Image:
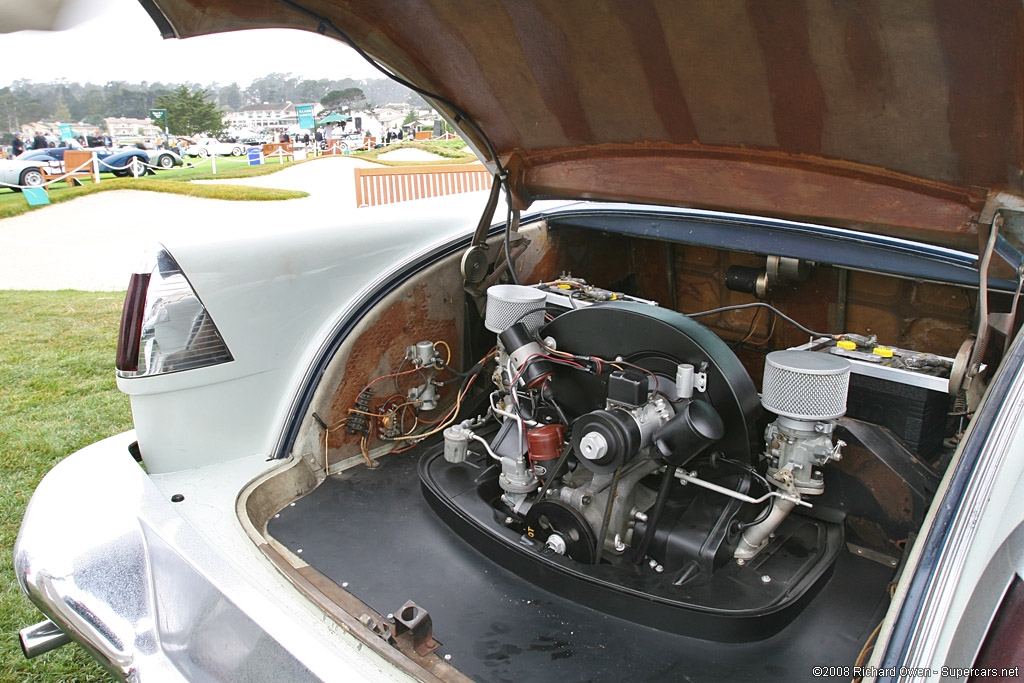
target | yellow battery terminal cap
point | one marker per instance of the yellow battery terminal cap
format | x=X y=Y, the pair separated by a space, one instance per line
x=846 y=344
x=883 y=352
x=564 y=286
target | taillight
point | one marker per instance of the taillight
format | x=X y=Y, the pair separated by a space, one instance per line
x=164 y=326
x=131 y=323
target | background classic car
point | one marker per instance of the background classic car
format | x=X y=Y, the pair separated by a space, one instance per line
x=116 y=161
x=19 y=172
x=204 y=147
x=860 y=171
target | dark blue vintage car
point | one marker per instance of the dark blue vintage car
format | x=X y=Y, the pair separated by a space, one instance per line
x=119 y=162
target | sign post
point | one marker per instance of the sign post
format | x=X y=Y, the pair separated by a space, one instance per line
x=305 y=112
x=159 y=117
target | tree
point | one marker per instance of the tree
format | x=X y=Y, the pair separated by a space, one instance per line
x=60 y=110
x=230 y=96
x=340 y=99
x=189 y=112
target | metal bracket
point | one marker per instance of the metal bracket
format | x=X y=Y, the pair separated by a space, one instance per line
x=381 y=628
x=700 y=381
x=411 y=618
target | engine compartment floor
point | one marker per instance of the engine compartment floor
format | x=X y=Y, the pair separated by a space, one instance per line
x=373 y=530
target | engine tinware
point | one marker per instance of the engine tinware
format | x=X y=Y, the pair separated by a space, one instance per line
x=604 y=439
x=695 y=427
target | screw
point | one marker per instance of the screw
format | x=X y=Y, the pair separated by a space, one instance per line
x=740 y=561
x=345 y=585
x=652 y=564
x=765 y=578
x=299 y=551
x=659 y=569
x=177 y=498
x=508 y=520
x=586 y=500
x=447 y=658
x=391 y=617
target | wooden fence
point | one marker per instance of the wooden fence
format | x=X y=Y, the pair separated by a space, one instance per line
x=386 y=185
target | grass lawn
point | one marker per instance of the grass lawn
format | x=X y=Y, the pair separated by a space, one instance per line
x=56 y=370
x=176 y=180
x=452 y=151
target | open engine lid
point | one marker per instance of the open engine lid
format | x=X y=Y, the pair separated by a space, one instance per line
x=900 y=118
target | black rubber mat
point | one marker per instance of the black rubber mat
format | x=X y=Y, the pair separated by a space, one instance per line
x=373 y=530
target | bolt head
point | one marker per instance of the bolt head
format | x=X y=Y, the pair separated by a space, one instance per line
x=765 y=578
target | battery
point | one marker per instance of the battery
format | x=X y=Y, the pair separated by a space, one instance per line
x=914 y=414
x=911 y=403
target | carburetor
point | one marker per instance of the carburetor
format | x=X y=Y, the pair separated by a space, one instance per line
x=808 y=392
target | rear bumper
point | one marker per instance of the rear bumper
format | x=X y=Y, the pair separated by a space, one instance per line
x=156 y=590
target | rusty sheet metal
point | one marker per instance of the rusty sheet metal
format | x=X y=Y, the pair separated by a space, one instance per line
x=760 y=183
x=882 y=487
x=429 y=311
x=898 y=118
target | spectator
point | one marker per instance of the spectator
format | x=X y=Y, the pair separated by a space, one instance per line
x=305 y=139
x=284 y=138
x=318 y=135
x=39 y=141
x=73 y=143
x=17 y=145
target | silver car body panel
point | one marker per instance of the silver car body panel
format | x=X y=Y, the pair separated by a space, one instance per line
x=981 y=551
x=275 y=298
x=164 y=591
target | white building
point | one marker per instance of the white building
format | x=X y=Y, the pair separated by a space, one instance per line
x=267 y=116
x=366 y=122
x=121 y=127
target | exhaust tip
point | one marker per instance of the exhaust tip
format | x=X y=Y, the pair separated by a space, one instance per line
x=41 y=638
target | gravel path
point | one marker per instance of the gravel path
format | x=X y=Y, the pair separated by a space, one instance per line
x=94 y=242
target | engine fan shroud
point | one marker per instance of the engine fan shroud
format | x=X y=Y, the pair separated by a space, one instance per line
x=657 y=340
x=733 y=604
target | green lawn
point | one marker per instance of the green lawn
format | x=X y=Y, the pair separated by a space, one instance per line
x=14 y=204
x=56 y=373
x=176 y=180
x=452 y=151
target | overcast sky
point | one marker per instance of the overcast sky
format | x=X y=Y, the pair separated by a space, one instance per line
x=131 y=49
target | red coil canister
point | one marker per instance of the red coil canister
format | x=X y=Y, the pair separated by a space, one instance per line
x=545 y=443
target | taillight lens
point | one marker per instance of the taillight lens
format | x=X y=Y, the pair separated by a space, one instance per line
x=164 y=326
